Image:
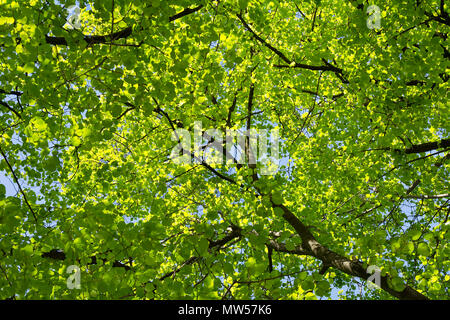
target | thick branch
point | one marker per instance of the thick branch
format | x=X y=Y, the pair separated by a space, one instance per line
x=92 y=39
x=333 y=259
x=122 y=34
x=56 y=254
x=185 y=12
x=281 y=247
x=235 y=233
x=428 y=146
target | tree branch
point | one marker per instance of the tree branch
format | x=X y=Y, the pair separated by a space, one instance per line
x=428 y=146
x=122 y=34
x=331 y=258
x=424 y=196
x=57 y=254
x=11 y=109
x=281 y=247
x=202 y=162
x=18 y=184
x=265 y=43
x=185 y=12
x=235 y=233
x=90 y=40
x=16 y=93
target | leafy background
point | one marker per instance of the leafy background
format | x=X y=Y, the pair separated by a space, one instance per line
x=86 y=123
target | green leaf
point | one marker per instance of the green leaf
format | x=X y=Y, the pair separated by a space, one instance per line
x=278 y=211
x=409 y=248
x=28 y=249
x=209 y=282
x=243 y=4
x=398 y=284
x=302 y=275
x=203 y=245
x=251 y=262
x=429 y=236
x=29 y=67
x=423 y=249
x=323 y=288
x=2 y=191
x=277 y=198
x=415 y=235
x=116 y=110
x=308 y=284
x=6 y=20
x=396 y=245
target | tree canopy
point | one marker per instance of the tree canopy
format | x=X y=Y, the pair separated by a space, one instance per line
x=88 y=109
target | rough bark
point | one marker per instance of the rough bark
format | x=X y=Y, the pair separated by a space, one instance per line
x=333 y=259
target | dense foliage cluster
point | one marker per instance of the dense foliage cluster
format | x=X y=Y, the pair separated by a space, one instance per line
x=88 y=109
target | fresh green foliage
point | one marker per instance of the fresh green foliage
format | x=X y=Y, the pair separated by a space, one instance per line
x=87 y=117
